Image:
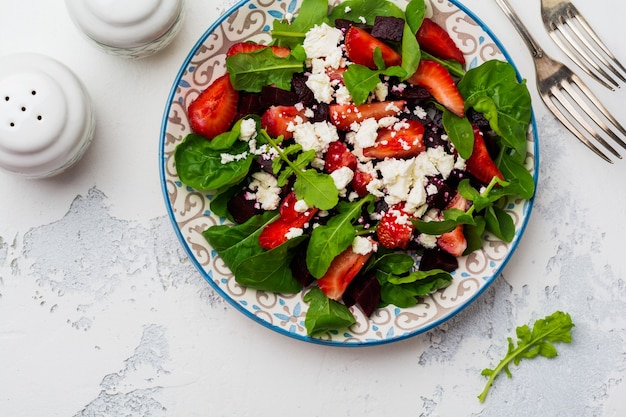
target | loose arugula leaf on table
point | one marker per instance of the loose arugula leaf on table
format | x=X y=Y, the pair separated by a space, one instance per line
x=532 y=343
x=251 y=71
x=493 y=90
x=324 y=314
x=291 y=34
x=329 y=240
x=253 y=266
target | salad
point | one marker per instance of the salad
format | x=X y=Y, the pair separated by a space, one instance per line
x=356 y=157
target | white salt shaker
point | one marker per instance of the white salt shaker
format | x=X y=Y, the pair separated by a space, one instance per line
x=128 y=28
x=46 y=116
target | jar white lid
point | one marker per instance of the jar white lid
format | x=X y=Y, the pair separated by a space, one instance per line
x=46 y=116
x=124 y=23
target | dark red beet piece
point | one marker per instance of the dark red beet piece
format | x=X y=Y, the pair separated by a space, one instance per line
x=299 y=269
x=363 y=291
x=345 y=24
x=438 y=259
x=241 y=208
x=298 y=85
x=274 y=96
x=249 y=103
x=443 y=196
x=388 y=28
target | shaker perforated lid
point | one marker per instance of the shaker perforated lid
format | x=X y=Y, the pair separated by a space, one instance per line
x=124 y=23
x=46 y=116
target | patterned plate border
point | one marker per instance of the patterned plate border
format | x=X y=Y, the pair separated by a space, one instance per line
x=189 y=210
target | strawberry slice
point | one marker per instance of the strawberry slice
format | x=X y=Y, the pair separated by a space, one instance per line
x=279 y=120
x=360 y=47
x=434 y=39
x=343 y=115
x=341 y=272
x=214 y=110
x=395 y=228
x=453 y=242
x=360 y=181
x=440 y=84
x=276 y=233
x=405 y=141
x=247 y=47
x=339 y=156
x=480 y=164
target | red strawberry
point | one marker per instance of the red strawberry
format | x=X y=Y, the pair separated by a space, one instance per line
x=247 y=47
x=274 y=234
x=343 y=115
x=453 y=242
x=440 y=84
x=214 y=110
x=395 y=228
x=360 y=181
x=360 y=47
x=406 y=141
x=434 y=39
x=480 y=164
x=338 y=156
x=277 y=120
x=341 y=272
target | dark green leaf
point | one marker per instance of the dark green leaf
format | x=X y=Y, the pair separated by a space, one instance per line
x=324 y=314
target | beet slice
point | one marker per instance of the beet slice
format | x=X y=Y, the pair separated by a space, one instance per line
x=241 y=208
x=249 y=103
x=388 y=28
x=298 y=85
x=364 y=291
x=438 y=259
x=299 y=269
x=274 y=96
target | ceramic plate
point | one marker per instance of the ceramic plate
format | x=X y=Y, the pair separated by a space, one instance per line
x=190 y=213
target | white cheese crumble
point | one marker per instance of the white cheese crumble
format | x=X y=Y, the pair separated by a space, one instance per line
x=362 y=245
x=320 y=85
x=266 y=190
x=247 y=130
x=366 y=133
x=316 y=136
x=381 y=91
x=301 y=206
x=294 y=232
x=321 y=40
x=427 y=241
x=342 y=177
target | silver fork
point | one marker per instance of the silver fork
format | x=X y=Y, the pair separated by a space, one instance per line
x=560 y=89
x=571 y=32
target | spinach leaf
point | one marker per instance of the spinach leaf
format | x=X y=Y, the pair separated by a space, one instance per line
x=500 y=223
x=251 y=71
x=329 y=240
x=414 y=14
x=252 y=266
x=290 y=34
x=411 y=53
x=460 y=132
x=354 y=10
x=324 y=314
x=361 y=80
x=199 y=164
x=493 y=90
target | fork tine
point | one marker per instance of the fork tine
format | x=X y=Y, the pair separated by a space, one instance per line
x=592 y=34
x=574 y=46
x=563 y=100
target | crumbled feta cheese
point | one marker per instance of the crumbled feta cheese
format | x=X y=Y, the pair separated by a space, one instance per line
x=381 y=91
x=316 y=136
x=366 y=133
x=347 y=9
x=342 y=177
x=227 y=157
x=342 y=95
x=294 y=232
x=319 y=84
x=247 y=129
x=387 y=121
x=267 y=191
x=321 y=40
x=301 y=206
x=420 y=112
x=363 y=19
x=397 y=178
x=443 y=161
x=427 y=241
x=362 y=245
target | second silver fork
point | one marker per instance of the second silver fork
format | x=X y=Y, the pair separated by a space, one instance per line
x=567 y=97
x=571 y=32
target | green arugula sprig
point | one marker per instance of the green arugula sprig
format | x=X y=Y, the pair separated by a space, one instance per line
x=532 y=343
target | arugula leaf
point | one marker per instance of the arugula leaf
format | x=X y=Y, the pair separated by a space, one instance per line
x=290 y=34
x=532 y=343
x=199 y=163
x=251 y=71
x=361 y=80
x=329 y=240
x=324 y=314
x=493 y=90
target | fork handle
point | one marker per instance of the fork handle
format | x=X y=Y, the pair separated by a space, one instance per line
x=535 y=49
